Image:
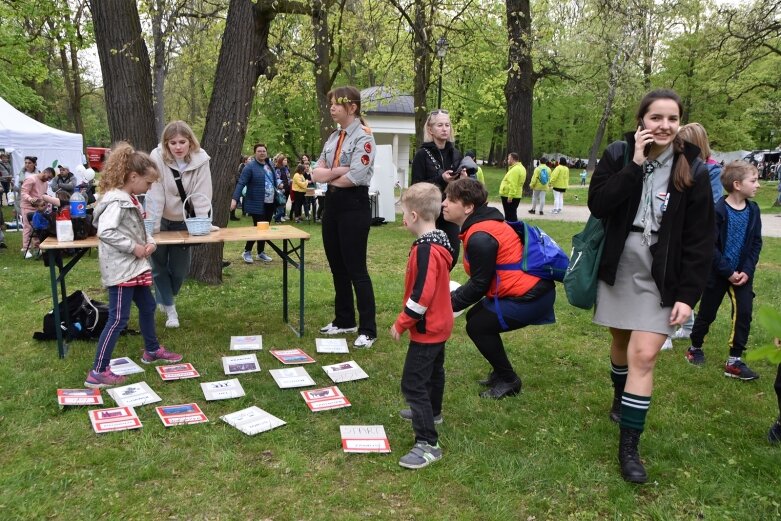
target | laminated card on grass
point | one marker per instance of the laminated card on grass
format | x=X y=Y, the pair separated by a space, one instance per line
x=66 y=397
x=240 y=364
x=124 y=366
x=114 y=419
x=345 y=372
x=252 y=420
x=247 y=343
x=364 y=438
x=290 y=377
x=292 y=356
x=185 y=414
x=331 y=345
x=325 y=398
x=222 y=390
x=134 y=395
x=177 y=372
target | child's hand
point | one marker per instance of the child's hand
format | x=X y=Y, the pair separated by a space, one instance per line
x=395 y=335
x=139 y=251
x=739 y=278
x=149 y=249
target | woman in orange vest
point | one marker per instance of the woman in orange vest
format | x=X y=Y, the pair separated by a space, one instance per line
x=506 y=298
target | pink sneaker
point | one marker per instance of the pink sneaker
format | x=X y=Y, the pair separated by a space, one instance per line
x=161 y=355
x=102 y=380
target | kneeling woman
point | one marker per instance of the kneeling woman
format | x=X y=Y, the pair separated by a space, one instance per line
x=507 y=298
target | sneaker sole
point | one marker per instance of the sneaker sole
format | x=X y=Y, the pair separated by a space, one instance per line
x=332 y=332
x=741 y=378
x=97 y=386
x=148 y=362
x=695 y=363
x=414 y=466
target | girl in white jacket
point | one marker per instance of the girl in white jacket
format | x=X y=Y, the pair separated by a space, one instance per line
x=123 y=252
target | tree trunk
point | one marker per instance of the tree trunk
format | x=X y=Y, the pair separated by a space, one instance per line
x=519 y=89
x=158 y=67
x=243 y=58
x=422 y=61
x=124 y=63
x=322 y=67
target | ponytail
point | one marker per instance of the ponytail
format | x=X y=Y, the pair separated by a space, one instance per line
x=122 y=160
x=682 y=176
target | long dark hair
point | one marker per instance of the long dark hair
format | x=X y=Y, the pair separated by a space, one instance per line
x=682 y=177
x=346 y=96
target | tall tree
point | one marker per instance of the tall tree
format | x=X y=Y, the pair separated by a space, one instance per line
x=519 y=89
x=127 y=81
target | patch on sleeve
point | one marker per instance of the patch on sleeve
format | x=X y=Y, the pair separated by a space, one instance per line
x=367 y=147
x=365 y=159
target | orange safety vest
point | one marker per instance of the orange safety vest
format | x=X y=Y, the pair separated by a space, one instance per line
x=506 y=283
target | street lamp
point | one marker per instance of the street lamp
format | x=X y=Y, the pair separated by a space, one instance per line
x=441 y=52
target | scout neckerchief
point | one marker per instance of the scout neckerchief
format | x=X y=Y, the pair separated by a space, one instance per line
x=338 y=151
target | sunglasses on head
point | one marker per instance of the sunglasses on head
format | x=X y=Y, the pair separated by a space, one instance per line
x=438 y=111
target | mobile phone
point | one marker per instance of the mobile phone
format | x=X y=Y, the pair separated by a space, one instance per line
x=647 y=149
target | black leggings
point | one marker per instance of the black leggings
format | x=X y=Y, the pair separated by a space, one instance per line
x=484 y=330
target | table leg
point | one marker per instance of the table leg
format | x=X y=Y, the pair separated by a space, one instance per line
x=285 y=257
x=301 y=290
x=62 y=347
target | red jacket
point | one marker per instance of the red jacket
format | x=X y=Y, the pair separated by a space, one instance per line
x=427 y=312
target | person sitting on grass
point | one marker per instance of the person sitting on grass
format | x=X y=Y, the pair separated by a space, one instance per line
x=735 y=255
x=428 y=316
x=123 y=253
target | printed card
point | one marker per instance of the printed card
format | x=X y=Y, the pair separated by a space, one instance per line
x=247 y=343
x=177 y=372
x=79 y=397
x=114 y=419
x=252 y=420
x=240 y=364
x=291 y=377
x=345 y=372
x=222 y=390
x=292 y=356
x=331 y=345
x=185 y=414
x=325 y=399
x=364 y=438
x=124 y=366
x=134 y=395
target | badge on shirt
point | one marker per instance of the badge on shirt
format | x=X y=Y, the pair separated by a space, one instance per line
x=367 y=147
x=365 y=160
x=665 y=198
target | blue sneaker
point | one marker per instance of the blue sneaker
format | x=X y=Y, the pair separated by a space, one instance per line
x=421 y=455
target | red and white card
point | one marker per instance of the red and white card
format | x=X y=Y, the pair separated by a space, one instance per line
x=114 y=419
x=79 y=397
x=185 y=414
x=292 y=356
x=177 y=372
x=325 y=399
x=364 y=438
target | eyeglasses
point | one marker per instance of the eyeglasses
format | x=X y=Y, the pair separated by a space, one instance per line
x=438 y=111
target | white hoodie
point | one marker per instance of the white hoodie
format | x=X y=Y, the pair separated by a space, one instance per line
x=163 y=200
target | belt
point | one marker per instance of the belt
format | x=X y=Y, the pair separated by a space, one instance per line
x=332 y=188
x=640 y=229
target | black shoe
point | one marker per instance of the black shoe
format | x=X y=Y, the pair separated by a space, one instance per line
x=234 y=218
x=774 y=434
x=532 y=212
x=503 y=389
x=632 y=469
x=615 y=410
x=490 y=380
x=3 y=246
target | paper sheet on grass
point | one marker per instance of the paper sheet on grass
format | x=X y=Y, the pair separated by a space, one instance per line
x=364 y=438
x=325 y=398
x=222 y=390
x=252 y=420
x=331 y=345
x=134 y=395
x=345 y=372
x=290 y=377
x=247 y=343
x=114 y=419
x=240 y=364
x=184 y=414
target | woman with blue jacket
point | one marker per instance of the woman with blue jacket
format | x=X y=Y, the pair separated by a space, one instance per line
x=259 y=179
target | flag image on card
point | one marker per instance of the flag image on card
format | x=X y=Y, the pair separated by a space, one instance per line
x=345 y=372
x=114 y=419
x=124 y=366
x=240 y=364
x=185 y=414
x=79 y=397
x=364 y=438
x=177 y=372
x=325 y=399
x=222 y=390
x=247 y=343
x=292 y=356
x=331 y=345
x=252 y=420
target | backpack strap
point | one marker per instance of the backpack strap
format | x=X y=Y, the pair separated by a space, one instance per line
x=179 y=186
x=431 y=156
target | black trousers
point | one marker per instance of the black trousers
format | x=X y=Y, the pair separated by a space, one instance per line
x=346 y=223
x=423 y=385
x=510 y=208
x=484 y=330
x=268 y=209
x=742 y=300
x=452 y=230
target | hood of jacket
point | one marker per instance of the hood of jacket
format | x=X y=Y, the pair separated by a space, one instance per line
x=484 y=213
x=115 y=196
x=197 y=159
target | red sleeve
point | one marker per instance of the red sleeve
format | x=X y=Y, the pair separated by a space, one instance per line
x=421 y=284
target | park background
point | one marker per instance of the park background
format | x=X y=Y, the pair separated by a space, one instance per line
x=537 y=77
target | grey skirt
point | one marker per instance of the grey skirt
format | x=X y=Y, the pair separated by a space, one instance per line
x=633 y=302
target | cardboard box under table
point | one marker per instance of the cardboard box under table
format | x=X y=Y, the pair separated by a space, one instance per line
x=290 y=254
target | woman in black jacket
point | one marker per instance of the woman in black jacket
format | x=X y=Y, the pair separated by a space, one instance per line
x=436 y=162
x=653 y=195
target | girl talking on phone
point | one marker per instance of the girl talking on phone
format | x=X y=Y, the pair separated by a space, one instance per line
x=653 y=195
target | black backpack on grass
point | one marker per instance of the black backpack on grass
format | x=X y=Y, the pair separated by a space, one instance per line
x=87 y=319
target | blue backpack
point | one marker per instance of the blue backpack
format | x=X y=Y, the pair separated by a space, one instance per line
x=541 y=256
x=544 y=175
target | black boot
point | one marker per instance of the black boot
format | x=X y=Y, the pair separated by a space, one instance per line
x=632 y=469
x=615 y=410
x=503 y=389
x=233 y=216
x=490 y=380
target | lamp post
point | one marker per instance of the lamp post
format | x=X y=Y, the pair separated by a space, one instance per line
x=441 y=52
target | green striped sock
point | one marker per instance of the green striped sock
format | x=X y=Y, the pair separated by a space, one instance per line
x=634 y=410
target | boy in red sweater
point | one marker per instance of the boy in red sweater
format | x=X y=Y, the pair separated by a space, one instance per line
x=428 y=315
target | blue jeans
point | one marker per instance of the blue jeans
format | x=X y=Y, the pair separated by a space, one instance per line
x=423 y=384
x=170 y=266
x=119 y=299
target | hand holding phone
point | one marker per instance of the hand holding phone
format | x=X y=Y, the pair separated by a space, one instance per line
x=647 y=149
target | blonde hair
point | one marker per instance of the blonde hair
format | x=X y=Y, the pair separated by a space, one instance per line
x=122 y=161
x=696 y=134
x=427 y=137
x=736 y=171
x=423 y=198
x=178 y=128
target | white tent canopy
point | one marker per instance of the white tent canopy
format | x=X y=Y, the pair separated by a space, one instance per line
x=21 y=135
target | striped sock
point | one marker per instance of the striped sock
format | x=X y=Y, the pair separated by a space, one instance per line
x=618 y=376
x=634 y=410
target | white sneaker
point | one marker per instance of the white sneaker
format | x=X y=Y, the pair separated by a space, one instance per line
x=668 y=344
x=364 y=342
x=247 y=256
x=331 y=329
x=681 y=333
x=173 y=317
x=28 y=255
x=263 y=256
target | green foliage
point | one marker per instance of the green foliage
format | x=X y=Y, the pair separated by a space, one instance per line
x=770 y=320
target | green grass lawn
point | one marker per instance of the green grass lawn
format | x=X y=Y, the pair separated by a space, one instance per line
x=549 y=453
